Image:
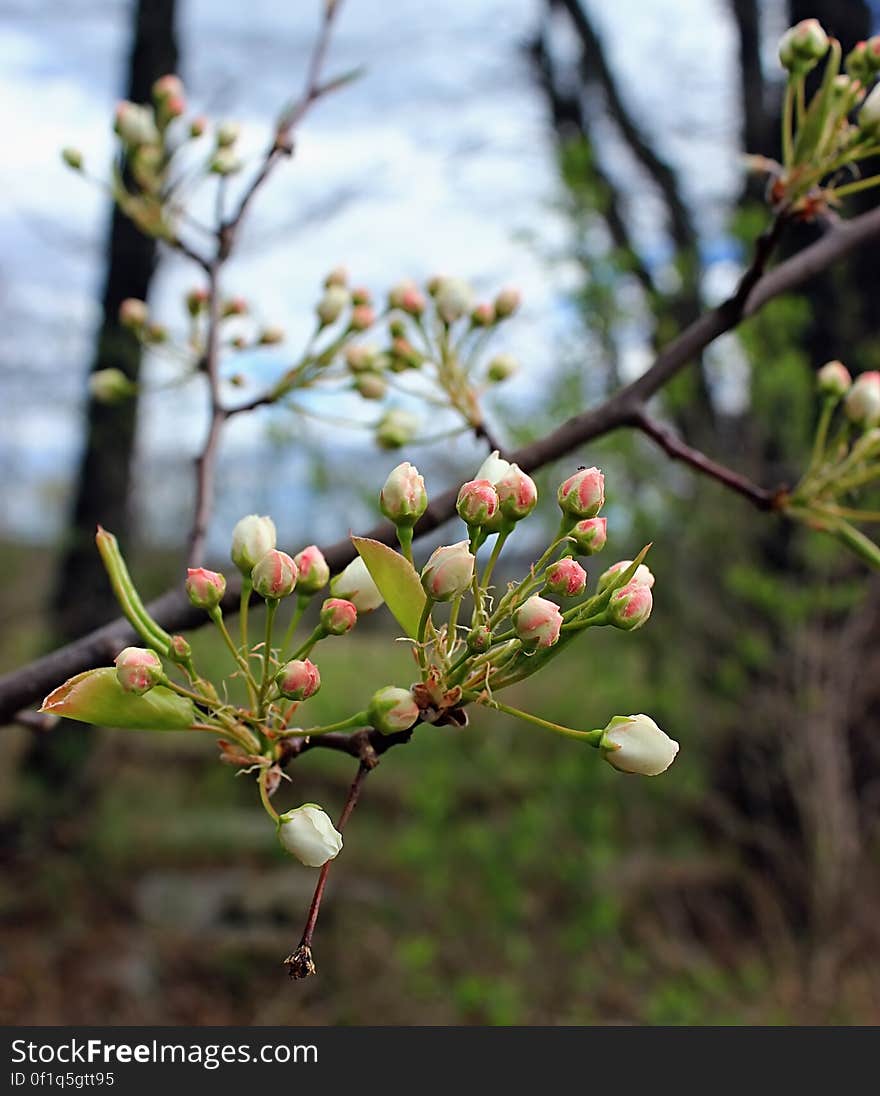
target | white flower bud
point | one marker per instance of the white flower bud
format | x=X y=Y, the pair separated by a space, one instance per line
x=355 y=584
x=448 y=572
x=454 y=299
x=309 y=835
x=404 y=499
x=334 y=302
x=392 y=710
x=493 y=468
x=635 y=744
x=862 y=403
x=252 y=538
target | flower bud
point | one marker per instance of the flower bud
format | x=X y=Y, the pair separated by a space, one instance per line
x=538 y=622
x=132 y=314
x=361 y=358
x=501 y=367
x=371 y=386
x=517 y=494
x=271 y=336
x=136 y=124
x=338 y=276
x=448 y=572
x=479 y=639
x=252 y=538
x=309 y=835
x=179 y=649
x=566 y=578
x=362 y=317
x=477 y=502
x=392 y=710
x=635 y=744
x=205 y=589
x=493 y=468
x=169 y=96
x=313 y=573
x=298 y=679
x=196 y=301
x=234 y=306
x=589 y=536
x=803 y=45
x=355 y=584
x=227 y=134
x=338 y=616
x=138 y=670
x=507 y=302
x=454 y=299
x=361 y=295
x=483 y=315
x=643 y=575
x=397 y=329
x=110 y=386
x=274 y=575
x=404 y=499
x=862 y=403
x=407 y=297
x=225 y=162
x=404 y=355
x=869 y=115
x=396 y=428
x=198 y=127
x=331 y=306
x=583 y=494
x=833 y=379
x=73 y=158
x=630 y=606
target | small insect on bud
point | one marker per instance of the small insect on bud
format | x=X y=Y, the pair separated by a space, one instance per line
x=309 y=835
x=454 y=298
x=392 y=710
x=371 y=386
x=862 y=403
x=448 y=572
x=313 y=570
x=138 y=670
x=361 y=358
x=362 y=317
x=538 y=622
x=588 y=537
x=517 y=494
x=803 y=46
x=869 y=115
x=507 y=302
x=635 y=744
x=252 y=538
x=403 y=499
x=331 y=306
x=298 y=679
x=225 y=162
x=833 y=379
x=643 y=575
x=408 y=298
x=479 y=639
x=338 y=277
x=133 y=314
x=630 y=606
x=338 y=616
x=477 y=502
x=583 y=494
x=227 y=134
x=204 y=588
x=483 y=315
x=110 y=386
x=501 y=367
x=355 y=584
x=396 y=428
x=73 y=158
x=274 y=576
x=566 y=578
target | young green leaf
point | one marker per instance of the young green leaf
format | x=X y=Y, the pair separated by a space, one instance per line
x=397 y=580
x=97 y=697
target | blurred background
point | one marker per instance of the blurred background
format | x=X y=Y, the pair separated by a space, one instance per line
x=590 y=153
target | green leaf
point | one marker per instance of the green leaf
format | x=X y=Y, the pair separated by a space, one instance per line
x=397 y=580
x=97 y=697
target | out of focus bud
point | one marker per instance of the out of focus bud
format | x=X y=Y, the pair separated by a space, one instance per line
x=313 y=573
x=196 y=301
x=392 y=710
x=477 y=502
x=361 y=295
x=454 y=299
x=225 y=162
x=589 y=536
x=583 y=494
x=407 y=297
x=309 y=835
x=833 y=379
x=361 y=358
x=869 y=115
x=138 y=670
x=136 y=125
x=566 y=578
x=396 y=428
x=630 y=606
x=156 y=333
x=133 y=314
x=179 y=649
x=483 y=315
x=331 y=306
x=479 y=639
x=371 y=386
x=271 y=336
x=862 y=403
x=643 y=575
x=197 y=127
x=234 y=306
x=362 y=318
x=227 y=134
x=803 y=46
x=274 y=575
x=507 y=302
x=538 y=622
x=404 y=499
x=110 y=386
x=298 y=679
x=338 y=276
x=204 y=588
x=73 y=158
x=635 y=744
x=501 y=367
x=517 y=494
x=404 y=355
x=397 y=329
x=355 y=584
x=252 y=538
x=169 y=96
x=448 y=572
x=338 y=616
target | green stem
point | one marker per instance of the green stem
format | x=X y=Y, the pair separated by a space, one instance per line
x=306 y=648
x=787 y=125
x=453 y=623
x=271 y=610
x=301 y=602
x=423 y=627
x=405 y=539
x=821 y=439
x=244 y=604
x=216 y=616
x=853 y=188
x=264 y=795
x=493 y=558
x=592 y=737
x=359 y=719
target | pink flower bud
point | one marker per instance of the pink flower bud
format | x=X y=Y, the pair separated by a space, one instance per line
x=298 y=679
x=566 y=578
x=407 y=297
x=312 y=570
x=507 y=302
x=168 y=87
x=803 y=45
x=643 y=575
x=483 y=315
x=630 y=606
x=252 y=538
x=204 y=588
x=338 y=616
x=404 y=355
x=198 y=127
x=235 y=306
x=517 y=494
x=448 y=572
x=589 y=535
x=479 y=639
x=338 y=276
x=362 y=317
x=862 y=403
x=392 y=710
x=196 y=301
x=477 y=502
x=361 y=295
x=179 y=649
x=404 y=499
x=833 y=379
x=138 y=670
x=331 y=306
x=133 y=314
x=538 y=622
x=583 y=494
x=501 y=367
x=274 y=576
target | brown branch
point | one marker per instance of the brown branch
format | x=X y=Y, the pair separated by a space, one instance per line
x=30 y=683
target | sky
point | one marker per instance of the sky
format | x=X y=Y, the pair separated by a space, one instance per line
x=439 y=159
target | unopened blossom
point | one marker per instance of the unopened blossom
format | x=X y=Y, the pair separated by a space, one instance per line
x=392 y=710
x=338 y=616
x=630 y=606
x=507 y=302
x=448 y=572
x=583 y=494
x=566 y=578
x=403 y=499
x=643 y=574
x=538 y=622
x=274 y=576
x=309 y=835
x=138 y=670
x=204 y=588
x=334 y=302
x=635 y=744
x=312 y=569
x=252 y=537
x=298 y=679
x=833 y=379
x=477 y=502
x=517 y=494
x=589 y=535
x=355 y=584
x=862 y=403
x=396 y=428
